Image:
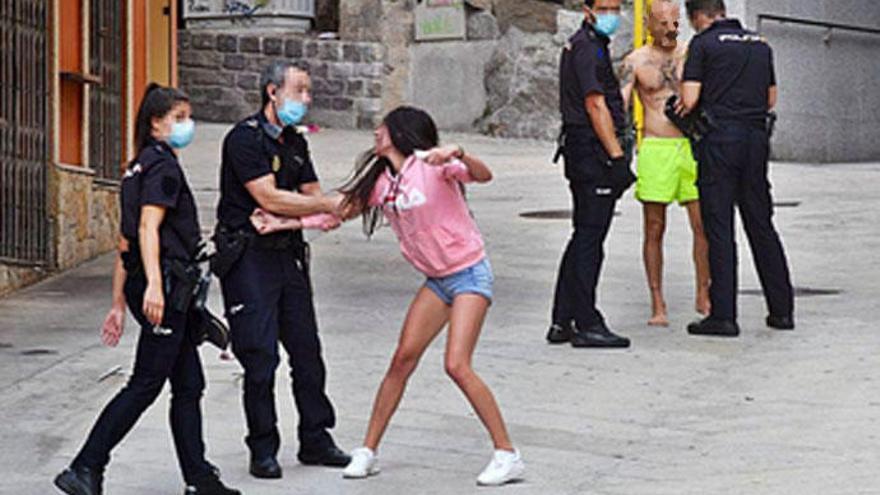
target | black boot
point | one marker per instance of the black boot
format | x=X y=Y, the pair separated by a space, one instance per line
x=210 y=485
x=780 y=322
x=329 y=456
x=267 y=469
x=598 y=336
x=559 y=333
x=80 y=481
x=714 y=327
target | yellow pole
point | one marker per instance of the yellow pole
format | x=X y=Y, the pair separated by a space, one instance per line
x=641 y=37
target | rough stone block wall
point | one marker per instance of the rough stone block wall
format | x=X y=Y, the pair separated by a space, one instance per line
x=221 y=70
x=522 y=78
x=86 y=219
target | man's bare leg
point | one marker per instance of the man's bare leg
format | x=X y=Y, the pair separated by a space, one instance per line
x=701 y=258
x=655 y=227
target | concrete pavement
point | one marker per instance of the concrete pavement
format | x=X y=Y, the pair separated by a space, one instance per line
x=768 y=413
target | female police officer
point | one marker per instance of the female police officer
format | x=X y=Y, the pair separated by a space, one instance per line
x=160 y=229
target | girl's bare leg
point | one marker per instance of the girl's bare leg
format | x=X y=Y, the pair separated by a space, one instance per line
x=468 y=312
x=426 y=317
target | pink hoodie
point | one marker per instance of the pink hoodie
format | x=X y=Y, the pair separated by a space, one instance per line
x=428 y=212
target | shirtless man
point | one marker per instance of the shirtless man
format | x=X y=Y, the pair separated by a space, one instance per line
x=667 y=171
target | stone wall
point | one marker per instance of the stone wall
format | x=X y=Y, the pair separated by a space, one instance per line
x=85 y=224
x=522 y=78
x=501 y=79
x=86 y=216
x=448 y=82
x=221 y=69
x=359 y=20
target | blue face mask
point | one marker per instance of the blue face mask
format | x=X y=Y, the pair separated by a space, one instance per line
x=607 y=24
x=182 y=134
x=291 y=112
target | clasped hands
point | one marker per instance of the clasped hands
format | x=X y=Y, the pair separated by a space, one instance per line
x=266 y=222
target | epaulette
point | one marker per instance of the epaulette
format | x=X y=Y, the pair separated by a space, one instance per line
x=132 y=170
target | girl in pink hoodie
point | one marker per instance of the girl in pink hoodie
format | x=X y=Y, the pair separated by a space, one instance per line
x=421 y=195
x=418 y=187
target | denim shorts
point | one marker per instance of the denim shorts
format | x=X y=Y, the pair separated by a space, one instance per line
x=477 y=279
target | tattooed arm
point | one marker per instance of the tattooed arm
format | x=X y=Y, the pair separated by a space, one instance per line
x=628 y=79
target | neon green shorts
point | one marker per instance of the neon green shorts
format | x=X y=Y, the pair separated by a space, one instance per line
x=667 y=171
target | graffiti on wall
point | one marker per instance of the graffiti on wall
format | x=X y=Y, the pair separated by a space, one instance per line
x=440 y=19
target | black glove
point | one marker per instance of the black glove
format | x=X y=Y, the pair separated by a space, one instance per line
x=695 y=125
x=619 y=175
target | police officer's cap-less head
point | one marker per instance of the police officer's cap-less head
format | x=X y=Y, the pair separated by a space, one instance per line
x=702 y=13
x=604 y=15
x=286 y=86
x=165 y=115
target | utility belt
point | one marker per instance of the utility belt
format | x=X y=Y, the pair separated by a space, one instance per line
x=230 y=245
x=625 y=136
x=700 y=123
x=613 y=176
x=186 y=289
x=180 y=277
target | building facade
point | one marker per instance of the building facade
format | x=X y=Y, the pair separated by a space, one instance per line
x=827 y=65
x=71 y=76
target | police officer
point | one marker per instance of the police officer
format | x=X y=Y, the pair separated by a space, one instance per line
x=160 y=237
x=265 y=279
x=597 y=168
x=729 y=73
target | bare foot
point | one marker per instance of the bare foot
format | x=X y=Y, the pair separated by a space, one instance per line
x=658 y=320
x=704 y=305
x=658 y=310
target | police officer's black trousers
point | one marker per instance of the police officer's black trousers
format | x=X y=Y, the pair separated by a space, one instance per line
x=164 y=354
x=268 y=297
x=575 y=297
x=733 y=171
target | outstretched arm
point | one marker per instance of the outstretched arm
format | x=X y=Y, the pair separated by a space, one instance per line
x=286 y=203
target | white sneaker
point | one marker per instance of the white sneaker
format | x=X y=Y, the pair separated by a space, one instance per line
x=505 y=467
x=363 y=463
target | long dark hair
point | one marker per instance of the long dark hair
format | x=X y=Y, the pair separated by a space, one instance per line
x=158 y=101
x=410 y=129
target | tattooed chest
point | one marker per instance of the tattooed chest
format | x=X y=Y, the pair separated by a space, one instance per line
x=659 y=75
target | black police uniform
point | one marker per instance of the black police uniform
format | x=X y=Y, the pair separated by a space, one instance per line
x=585 y=68
x=735 y=68
x=165 y=352
x=267 y=292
